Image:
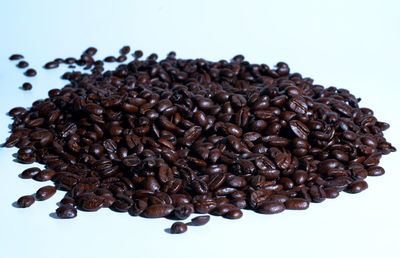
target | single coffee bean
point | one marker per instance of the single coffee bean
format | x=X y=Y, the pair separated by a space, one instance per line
x=92 y=203
x=125 y=50
x=158 y=211
x=45 y=175
x=376 y=171
x=26 y=86
x=30 y=72
x=357 y=186
x=110 y=59
x=22 y=64
x=30 y=172
x=296 y=204
x=66 y=212
x=25 y=201
x=234 y=214
x=178 y=228
x=271 y=207
x=45 y=192
x=200 y=220
x=51 y=65
x=16 y=57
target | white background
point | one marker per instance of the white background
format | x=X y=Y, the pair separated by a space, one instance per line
x=348 y=44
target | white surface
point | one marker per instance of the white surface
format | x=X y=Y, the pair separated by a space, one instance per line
x=348 y=44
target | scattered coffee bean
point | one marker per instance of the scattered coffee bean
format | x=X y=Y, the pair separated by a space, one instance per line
x=110 y=59
x=178 y=228
x=45 y=192
x=51 y=65
x=25 y=201
x=26 y=86
x=16 y=57
x=200 y=220
x=22 y=64
x=30 y=72
x=30 y=172
x=125 y=50
x=66 y=212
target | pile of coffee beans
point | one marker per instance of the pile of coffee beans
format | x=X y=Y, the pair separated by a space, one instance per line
x=182 y=136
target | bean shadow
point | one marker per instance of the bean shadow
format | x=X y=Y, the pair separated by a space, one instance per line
x=15 y=205
x=54 y=215
x=168 y=230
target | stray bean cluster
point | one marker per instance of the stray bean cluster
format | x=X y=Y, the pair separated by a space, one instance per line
x=179 y=136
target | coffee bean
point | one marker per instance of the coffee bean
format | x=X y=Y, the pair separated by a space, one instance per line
x=178 y=228
x=357 y=186
x=125 y=50
x=16 y=57
x=296 y=204
x=234 y=214
x=51 y=65
x=25 y=201
x=45 y=175
x=158 y=211
x=317 y=193
x=376 y=171
x=200 y=220
x=110 y=59
x=271 y=207
x=66 y=212
x=92 y=203
x=22 y=64
x=26 y=86
x=30 y=172
x=30 y=72
x=183 y=211
x=45 y=192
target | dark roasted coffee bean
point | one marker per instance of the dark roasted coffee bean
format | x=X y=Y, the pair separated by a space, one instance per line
x=317 y=193
x=45 y=192
x=331 y=193
x=357 y=186
x=25 y=201
x=376 y=171
x=45 y=175
x=16 y=57
x=68 y=201
x=158 y=210
x=271 y=207
x=66 y=212
x=26 y=86
x=178 y=228
x=234 y=214
x=296 y=204
x=30 y=172
x=30 y=72
x=183 y=211
x=51 y=65
x=110 y=59
x=200 y=220
x=22 y=64
x=92 y=203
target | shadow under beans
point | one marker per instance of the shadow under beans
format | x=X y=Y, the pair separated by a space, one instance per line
x=54 y=215
x=168 y=230
x=15 y=205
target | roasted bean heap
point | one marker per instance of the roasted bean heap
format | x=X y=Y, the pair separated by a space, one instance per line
x=182 y=136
